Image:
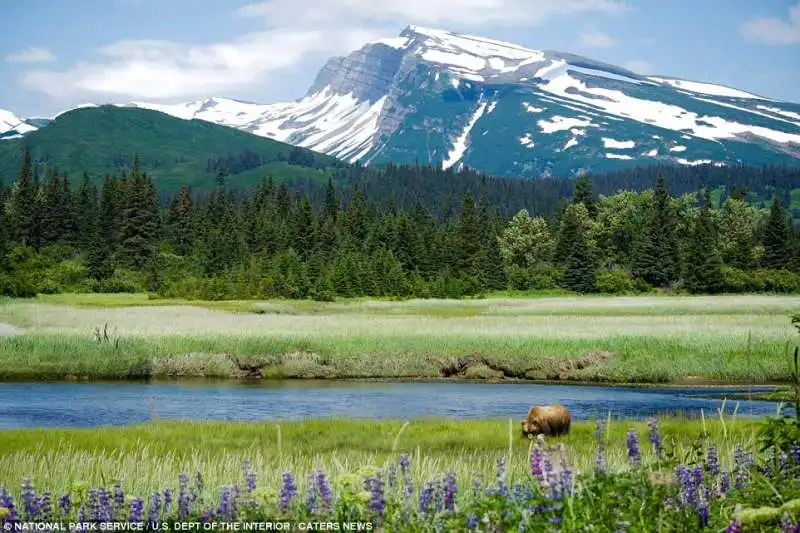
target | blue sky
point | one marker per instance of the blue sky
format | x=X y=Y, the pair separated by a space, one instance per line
x=55 y=54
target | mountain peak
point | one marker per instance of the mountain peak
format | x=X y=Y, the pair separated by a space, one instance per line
x=432 y=95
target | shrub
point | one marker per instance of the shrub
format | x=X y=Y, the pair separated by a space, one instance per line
x=615 y=281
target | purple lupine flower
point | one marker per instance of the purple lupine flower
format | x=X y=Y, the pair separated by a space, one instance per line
x=183 y=496
x=654 y=435
x=566 y=477
x=65 y=504
x=106 y=509
x=7 y=501
x=288 y=492
x=742 y=464
x=311 y=493
x=697 y=476
x=783 y=462
x=167 y=500
x=30 y=503
x=687 y=489
x=425 y=498
x=536 y=463
x=154 y=511
x=45 y=507
x=198 y=483
x=82 y=518
x=632 y=442
x=450 y=490
x=703 y=511
x=438 y=497
x=374 y=485
x=501 y=476
x=786 y=524
x=795 y=452
x=600 y=459
x=94 y=506
x=249 y=476
x=325 y=493
x=225 y=509
x=472 y=522
x=712 y=462
x=734 y=526
x=724 y=483
x=119 y=495
x=405 y=464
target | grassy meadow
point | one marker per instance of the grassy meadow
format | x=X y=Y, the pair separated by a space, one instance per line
x=644 y=339
x=152 y=455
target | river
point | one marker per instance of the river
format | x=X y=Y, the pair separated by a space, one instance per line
x=70 y=404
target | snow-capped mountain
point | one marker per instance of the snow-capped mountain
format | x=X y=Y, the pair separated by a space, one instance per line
x=432 y=95
x=12 y=126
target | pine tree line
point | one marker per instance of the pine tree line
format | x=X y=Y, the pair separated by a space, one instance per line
x=279 y=241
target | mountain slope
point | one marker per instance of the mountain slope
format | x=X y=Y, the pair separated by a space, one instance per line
x=103 y=139
x=434 y=96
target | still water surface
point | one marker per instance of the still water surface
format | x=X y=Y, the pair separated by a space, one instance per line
x=28 y=405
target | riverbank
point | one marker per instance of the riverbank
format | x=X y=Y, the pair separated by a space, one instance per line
x=647 y=339
x=149 y=455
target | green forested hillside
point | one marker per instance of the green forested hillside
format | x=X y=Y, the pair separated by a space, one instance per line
x=102 y=140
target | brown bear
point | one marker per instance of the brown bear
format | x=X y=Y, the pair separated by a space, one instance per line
x=548 y=420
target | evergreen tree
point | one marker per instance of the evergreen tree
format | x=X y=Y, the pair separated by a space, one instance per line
x=105 y=233
x=581 y=273
x=585 y=195
x=704 y=267
x=656 y=259
x=24 y=205
x=776 y=239
x=140 y=220
x=85 y=213
x=468 y=239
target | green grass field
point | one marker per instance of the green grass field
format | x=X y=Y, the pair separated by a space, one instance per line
x=645 y=339
x=150 y=456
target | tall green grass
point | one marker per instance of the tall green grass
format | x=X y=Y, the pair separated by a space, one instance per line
x=653 y=339
x=152 y=455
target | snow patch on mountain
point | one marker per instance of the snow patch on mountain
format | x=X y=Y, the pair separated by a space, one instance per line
x=527 y=141
x=11 y=124
x=652 y=112
x=460 y=144
x=618 y=156
x=678 y=148
x=705 y=88
x=560 y=123
x=532 y=109
x=621 y=145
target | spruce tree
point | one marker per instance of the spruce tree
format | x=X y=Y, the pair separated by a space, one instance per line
x=776 y=239
x=24 y=204
x=468 y=239
x=656 y=259
x=85 y=213
x=105 y=233
x=581 y=272
x=704 y=266
x=585 y=195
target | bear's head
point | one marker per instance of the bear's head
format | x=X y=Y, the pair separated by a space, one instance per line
x=529 y=429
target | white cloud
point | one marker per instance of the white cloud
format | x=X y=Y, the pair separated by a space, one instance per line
x=441 y=12
x=163 y=70
x=596 y=39
x=33 y=54
x=639 y=67
x=295 y=30
x=773 y=30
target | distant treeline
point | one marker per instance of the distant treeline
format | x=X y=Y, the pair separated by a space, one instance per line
x=399 y=231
